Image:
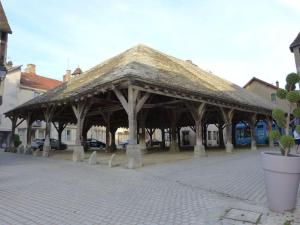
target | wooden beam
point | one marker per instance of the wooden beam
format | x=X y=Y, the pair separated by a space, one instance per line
x=217 y=102
x=21 y=121
x=142 y=101
x=122 y=99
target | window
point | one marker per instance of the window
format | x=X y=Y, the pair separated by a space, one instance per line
x=41 y=134
x=273 y=97
x=209 y=135
x=215 y=135
x=68 y=135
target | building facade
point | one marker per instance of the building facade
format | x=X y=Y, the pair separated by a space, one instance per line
x=21 y=86
x=267 y=91
x=4 y=31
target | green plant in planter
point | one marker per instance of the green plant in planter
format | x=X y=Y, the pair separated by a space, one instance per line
x=16 y=140
x=286 y=141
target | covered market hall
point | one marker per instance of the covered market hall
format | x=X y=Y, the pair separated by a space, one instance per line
x=143 y=88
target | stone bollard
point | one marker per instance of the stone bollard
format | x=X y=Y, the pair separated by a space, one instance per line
x=113 y=161
x=93 y=158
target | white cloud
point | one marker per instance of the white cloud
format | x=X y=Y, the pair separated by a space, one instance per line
x=293 y=4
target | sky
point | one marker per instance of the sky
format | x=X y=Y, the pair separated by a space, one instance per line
x=234 y=39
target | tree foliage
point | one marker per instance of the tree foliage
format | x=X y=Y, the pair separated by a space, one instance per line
x=286 y=141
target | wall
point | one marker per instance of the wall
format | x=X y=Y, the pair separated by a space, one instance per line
x=265 y=92
x=10 y=96
x=297 y=58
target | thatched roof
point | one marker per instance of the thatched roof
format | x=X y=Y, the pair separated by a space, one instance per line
x=295 y=43
x=4 y=26
x=151 y=66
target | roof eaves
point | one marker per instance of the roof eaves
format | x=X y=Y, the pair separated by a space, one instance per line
x=4 y=25
x=295 y=43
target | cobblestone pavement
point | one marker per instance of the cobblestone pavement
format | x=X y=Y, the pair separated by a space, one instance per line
x=47 y=191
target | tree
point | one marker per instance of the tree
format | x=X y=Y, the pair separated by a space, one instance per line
x=286 y=141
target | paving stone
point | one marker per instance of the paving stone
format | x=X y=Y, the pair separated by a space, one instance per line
x=243 y=215
x=49 y=191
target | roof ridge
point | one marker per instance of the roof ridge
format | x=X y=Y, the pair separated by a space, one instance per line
x=259 y=80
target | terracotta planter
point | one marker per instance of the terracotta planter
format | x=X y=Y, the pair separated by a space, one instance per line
x=282 y=176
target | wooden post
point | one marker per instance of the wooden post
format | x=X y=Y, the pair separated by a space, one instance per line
x=142 y=138
x=221 y=139
x=163 y=138
x=86 y=127
x=205 y=134
x=228 y=116
x=198 y=113
x=106 y=117
x=29 y=122
x=113 y=146
x=61 y=126
x=48 y=115
x=132 y=106
x=150 y=132
x=174 y=115
x=178 y=137
x=142 y=130
x=14 y=120
x=270 y=124
x=107 y=132
x=252 y=124
x=80 y=110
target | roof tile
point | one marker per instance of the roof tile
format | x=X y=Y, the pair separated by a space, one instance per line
x=39 y=82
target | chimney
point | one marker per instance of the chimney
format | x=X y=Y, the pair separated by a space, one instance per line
x=9 y=65
x=67 y=76
x=30 y=68
x=277 y=84
x=77 y=71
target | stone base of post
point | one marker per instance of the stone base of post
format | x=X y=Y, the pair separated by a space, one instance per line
x=253 y=146
x=78 y=153
x=46 y=150
x=143 y=148
x=134 y=156
x=174 y=147
x=113 y=147
x=199 y=151
x=229 y=148
x=271 y=143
